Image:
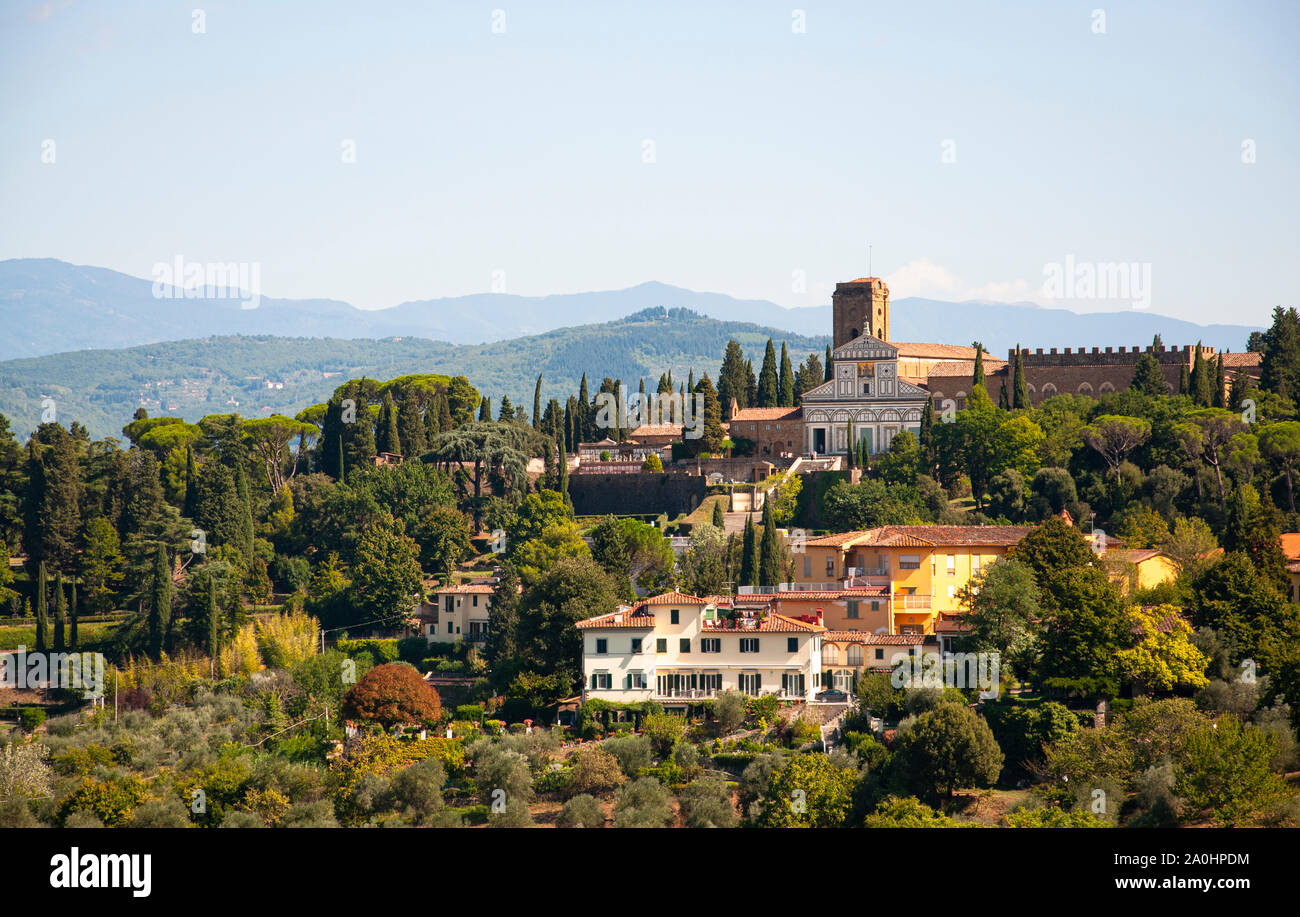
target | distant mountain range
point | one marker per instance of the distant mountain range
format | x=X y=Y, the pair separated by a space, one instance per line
x=257 y=376
x=49 y=306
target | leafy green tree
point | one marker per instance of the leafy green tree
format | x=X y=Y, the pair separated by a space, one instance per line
x=810 y=791
x=1163 y=655
x=1085 y=628
x=1148 y=377
x=1280 y=444
x=101 y=564
x=1224 y=770
x=386 y=571
x=945 y=749
x=1003 y=613
x=1280 y=365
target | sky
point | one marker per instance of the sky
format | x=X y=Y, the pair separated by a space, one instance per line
x=766 y=150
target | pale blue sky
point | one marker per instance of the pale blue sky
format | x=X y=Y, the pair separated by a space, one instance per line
x=775 y=151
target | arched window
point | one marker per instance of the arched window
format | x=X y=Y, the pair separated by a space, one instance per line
x=1048 y=390
x=830 y=654
x=1105 y=387
x=1085 y=388
x=855 y=654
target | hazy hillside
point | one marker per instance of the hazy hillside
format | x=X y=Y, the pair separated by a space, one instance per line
x=49 y=306
x=190 y=378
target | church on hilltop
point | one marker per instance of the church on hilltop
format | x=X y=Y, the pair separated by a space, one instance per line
x=878 y=387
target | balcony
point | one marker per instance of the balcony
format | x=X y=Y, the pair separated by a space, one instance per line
x=904 y=602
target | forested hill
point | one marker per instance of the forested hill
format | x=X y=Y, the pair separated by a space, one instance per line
x=190 y=378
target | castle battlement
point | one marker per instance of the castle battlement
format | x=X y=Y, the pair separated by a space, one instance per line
x=1108 y=356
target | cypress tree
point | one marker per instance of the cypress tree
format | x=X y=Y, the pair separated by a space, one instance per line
x=977 y=378
x=828 y=364
x=769 y=386
x=864 y=453
x=1004 y=403
x=787 y=379
x=1184 y=380
x=410 y=427
x=732 y=379
x=719 y=520
x=41 y=605
x=582 y=425
x=247 y=532
x=927 y=435
x=160 y=602
x=537 y=402
x=72 y=616
x=1019 y=387
x=852 y=449
x=390 y=437
x=748 y=554
x=564 y=473
x=507 y=411
x=751 y=385
x=485 y=410
x=769 y=572
x=444 y=413
x=1220 y=383
x=214 y=619
x=191 y=485
x=60 y=613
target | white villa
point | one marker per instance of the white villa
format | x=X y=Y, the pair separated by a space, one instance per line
x=674 y=648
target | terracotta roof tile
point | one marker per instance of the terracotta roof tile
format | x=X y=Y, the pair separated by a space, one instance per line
x=767 y=414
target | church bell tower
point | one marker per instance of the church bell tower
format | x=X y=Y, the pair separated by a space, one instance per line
x=860 y=307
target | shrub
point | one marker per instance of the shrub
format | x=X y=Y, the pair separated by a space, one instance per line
x=378 y=650
x=632 y=752
x=644 y=803
x=582 y=811
x=706 y=803
x=31 y=717
x=809 y=791
x=287 y=639
x=595 y=771
x=1053 y=817
x=663 y=730
x=803 y=732
x=413 y=649
x=418 y=789
x=729 y=711
x=472 y=712
x=391 y=694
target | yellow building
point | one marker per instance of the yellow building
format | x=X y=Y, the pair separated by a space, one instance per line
x=924 y=567
x=1139 y=568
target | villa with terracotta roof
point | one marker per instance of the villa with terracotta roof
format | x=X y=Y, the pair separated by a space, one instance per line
x=459 y=612
x=677 y=649
x=921 y=571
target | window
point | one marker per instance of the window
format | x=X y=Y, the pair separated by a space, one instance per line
x=450 y=627
x=661 y=645
x=751 y=684
x=909 y=562
x=807 y=567
x=710 y=645
x=875 y=605
x=853 y=608
x=952 y=591
x=880 y=655
x=602 y=645
x=830 y=654
x=636 y=645
x=952 y=564
x=674 y=615
x=749 y=644
x=830 y=566
x=792 y=685
x=476 y=601
x=855 y=655
x=684 y=645
x=636 y=679
x=600 y=681
x=974 y=564
x=792 y=644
